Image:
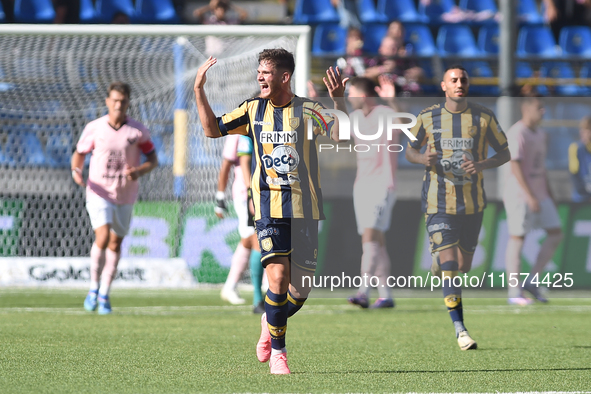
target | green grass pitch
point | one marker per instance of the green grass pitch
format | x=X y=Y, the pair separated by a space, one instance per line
x=182 y=341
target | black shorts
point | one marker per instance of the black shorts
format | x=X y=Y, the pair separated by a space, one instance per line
x=447 y=230
x=296 y=239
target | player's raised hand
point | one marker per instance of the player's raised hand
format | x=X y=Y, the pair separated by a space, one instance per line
x=470 y=166
x=335 y=83
x=386 y=89
x=430 y=157
x=201 y=78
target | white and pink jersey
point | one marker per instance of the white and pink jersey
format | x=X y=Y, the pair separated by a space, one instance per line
x=529 y=148
x=376 y=170
x=230 y=153
x=113 y=151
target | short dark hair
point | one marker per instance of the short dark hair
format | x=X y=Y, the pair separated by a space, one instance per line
x=279 y=57
x=364 y=84
x=120 y=87
x=455 y=67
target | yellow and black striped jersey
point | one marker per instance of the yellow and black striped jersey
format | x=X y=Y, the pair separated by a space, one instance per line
x=446 y=187
x=285 y=175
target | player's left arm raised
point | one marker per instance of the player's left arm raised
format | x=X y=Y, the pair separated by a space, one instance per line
x=335 y=83
x=206 y=115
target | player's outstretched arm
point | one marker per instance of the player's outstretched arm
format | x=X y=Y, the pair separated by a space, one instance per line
x=77 y=164
x=335 y=83
x=474 y=167
x=206 y=115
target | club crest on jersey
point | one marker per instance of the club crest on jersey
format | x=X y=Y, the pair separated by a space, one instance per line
x=437 y=238
x=472 y=131
x=266 y=244
x=294 y=123
x=284 y=159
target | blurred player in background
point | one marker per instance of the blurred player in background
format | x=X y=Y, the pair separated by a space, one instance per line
x=236 y=148
x=457 y=134
x=579 y=163
x=285 y=185
x=374 y=192
x=528 y=200
x=116 y=142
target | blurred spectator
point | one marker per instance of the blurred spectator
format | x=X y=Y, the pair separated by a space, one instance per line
x=397 y=33
x=120 y=18
x=579 y=163
x=66 y=11
x=220 y=12
x=459 y=15
x=353 y=63
x=560 y=13
x=347 y=10
x=404 y=72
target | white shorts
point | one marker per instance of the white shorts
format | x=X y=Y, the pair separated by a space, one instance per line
x=373 y=209
x=521 y=220
x=103 y=212
x=241 y=208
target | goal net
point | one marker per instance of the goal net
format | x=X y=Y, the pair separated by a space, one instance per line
x=53 y=81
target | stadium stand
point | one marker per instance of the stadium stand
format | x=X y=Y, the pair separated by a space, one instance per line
x=329 y=39
x=106 y=9
x=456 y=40
x=88 y=13
x=433 y=11
x=419 y=35
x=488 y=39
x=481 y=69
x=536 y=41
x=23 y=148
x=479 y=5
x=372 y=37
x=34 y=11
x=2 y=14
x=156 y=11
x=368 y=13
x=576 y=41
x=314 y=12
x=559 y=70
x=528 y=12
x=401 y=10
